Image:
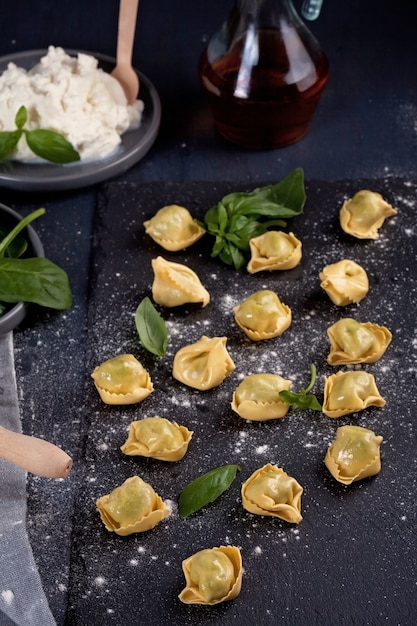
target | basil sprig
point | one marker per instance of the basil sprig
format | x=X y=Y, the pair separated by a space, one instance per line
x=303 y=399
x=46 y=144
x=206 y=488
x=36 y=279
x=240 y=216
x=152 y=330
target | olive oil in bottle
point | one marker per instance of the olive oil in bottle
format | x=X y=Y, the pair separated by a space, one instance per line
x=263 y=74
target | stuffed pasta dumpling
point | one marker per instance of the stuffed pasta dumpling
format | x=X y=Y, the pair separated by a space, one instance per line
x=349 y=392
x=262 y=315
x=270 y=491
x=274 y=250
x=133 y=507
x=204 y=364
x=364 y=214
x=212 y=576
x=354 y=454
x=122 y=380
x=175 y=284
x=345 y=282
x=357 y=342
x=173 y=228
x=157 y=438
x=257 y=397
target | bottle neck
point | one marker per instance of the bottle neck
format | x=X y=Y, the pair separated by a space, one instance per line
x=270 y=10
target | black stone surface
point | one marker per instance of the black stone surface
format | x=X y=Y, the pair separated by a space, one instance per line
x=352 y=558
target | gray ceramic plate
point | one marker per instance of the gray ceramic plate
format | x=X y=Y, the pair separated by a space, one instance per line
x=9 y=219
x=50 y=177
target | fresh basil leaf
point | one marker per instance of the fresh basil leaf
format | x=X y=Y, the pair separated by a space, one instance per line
x=8 y=142
x=21 y=117
x=218 y=246
x=152 y=330
x=231 y=255
x=222 y=217
x=35 y=280
x=300 y=400
x=240 y=216
x=51 y=146
x=283 y=199
x=46 y=144
x=206 y=489
x=247 y=232
x=303 y=399
x=211 y=219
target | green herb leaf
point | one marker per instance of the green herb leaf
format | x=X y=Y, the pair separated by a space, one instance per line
x=35 y=280
x=152 y=330
x=8 y=142
x=304 y=399
x=51 y=146
x=16 y=248
x=206 y=488
x=21 y=117
x=239 y=217
x=5 y=243
x=46 y=144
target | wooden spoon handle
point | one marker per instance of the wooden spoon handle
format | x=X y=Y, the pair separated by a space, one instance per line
x=126 y=30
x=34 y=455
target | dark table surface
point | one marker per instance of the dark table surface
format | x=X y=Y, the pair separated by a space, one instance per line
x=365 y=128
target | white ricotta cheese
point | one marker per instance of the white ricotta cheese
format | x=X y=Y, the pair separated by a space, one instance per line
x=71 y=96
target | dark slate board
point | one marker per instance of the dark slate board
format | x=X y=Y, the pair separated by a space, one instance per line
x=352 y=558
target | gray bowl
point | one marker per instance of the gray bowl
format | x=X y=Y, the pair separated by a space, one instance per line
x=9 y=218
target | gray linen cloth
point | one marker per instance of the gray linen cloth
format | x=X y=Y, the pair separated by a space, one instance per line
x=22 y=599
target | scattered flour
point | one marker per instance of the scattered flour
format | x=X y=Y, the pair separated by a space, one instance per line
x=7 y=597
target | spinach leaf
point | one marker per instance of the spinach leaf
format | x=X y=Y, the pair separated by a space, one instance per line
x=35 y=280
x=152 y=331
x=240 y=216
x=10 y=237
x=17 y=247
x=206 y=488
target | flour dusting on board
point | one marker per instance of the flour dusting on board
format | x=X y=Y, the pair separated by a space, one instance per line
x=332 y=514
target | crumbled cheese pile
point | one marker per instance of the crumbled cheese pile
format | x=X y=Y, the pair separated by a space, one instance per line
x=71 y=96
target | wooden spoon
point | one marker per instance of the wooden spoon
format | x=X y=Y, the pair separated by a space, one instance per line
x=124 y=72
x=34 y=455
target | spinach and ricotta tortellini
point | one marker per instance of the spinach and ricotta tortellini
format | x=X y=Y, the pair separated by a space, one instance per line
x=355 y=342
x=157 y=438
x=133 y=507
x=262 y=315
x=363 y=215
x=122 y=380
x=345 y=282
x=203 y=364
x=175 y=284
x=354 y=454
x=173 y=228
x=349 y=392
x=274 y=250
x=270 y=491
x=212 y=576
x=257 y=397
